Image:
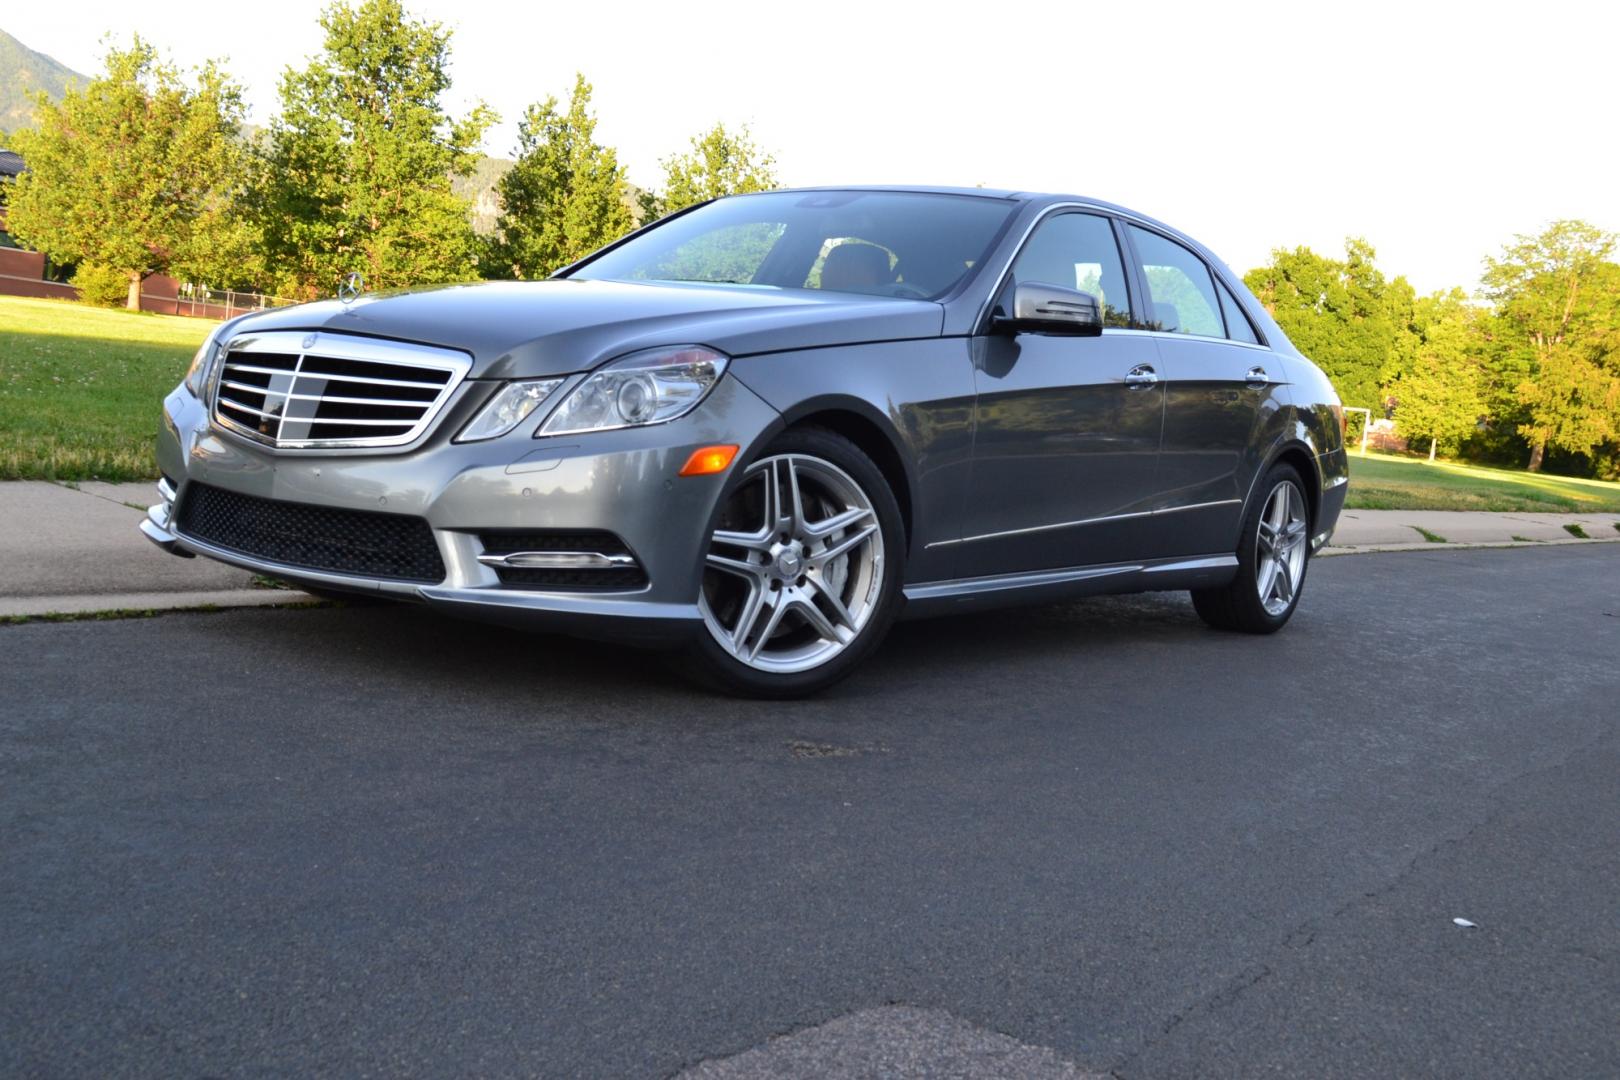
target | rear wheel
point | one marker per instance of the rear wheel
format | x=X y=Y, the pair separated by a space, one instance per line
x=802 y=573
x=1273 y=555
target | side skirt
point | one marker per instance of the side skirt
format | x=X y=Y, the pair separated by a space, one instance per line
x=1045 y=586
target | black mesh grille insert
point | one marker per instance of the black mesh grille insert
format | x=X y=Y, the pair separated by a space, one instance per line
x=360 y=542
x=615 y=579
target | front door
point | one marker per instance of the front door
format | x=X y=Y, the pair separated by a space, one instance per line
x=1067 y=429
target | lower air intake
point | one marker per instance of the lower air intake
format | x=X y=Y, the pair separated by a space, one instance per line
x=362 y=543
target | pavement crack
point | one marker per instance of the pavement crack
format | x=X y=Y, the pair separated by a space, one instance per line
x=1304 y=935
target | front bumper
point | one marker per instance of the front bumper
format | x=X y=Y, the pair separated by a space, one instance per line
x=623 y=482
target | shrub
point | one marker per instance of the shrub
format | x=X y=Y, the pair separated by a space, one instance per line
x=101 y=286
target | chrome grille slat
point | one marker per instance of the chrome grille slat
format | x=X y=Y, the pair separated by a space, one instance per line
x=287 y=375
x=343 y=378
x=402 y=402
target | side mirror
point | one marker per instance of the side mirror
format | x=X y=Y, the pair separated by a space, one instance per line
x=1039 y=308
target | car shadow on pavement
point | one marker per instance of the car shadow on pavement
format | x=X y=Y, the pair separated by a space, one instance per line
x=417 y=646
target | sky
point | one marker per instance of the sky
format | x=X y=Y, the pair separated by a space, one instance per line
x=1437 y=131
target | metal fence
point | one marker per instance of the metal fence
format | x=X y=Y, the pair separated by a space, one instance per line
x=203 y=302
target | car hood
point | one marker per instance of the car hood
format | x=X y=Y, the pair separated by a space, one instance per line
x=518 y=329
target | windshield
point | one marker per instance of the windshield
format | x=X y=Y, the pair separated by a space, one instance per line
x=875 y=243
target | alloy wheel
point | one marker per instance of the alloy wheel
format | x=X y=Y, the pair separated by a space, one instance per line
x=795 y=570
x=1281 y=548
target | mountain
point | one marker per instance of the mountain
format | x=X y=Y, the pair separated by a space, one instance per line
x=22 y=72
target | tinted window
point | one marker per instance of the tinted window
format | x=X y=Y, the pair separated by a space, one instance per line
x=1078 y=251
x=879 y=243
x=1238 y=327
x=1181 y=296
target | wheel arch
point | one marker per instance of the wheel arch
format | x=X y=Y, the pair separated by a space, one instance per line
x=1297 y=453
x=871 y=431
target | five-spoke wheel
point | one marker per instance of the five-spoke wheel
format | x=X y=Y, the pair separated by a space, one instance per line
x=800 y=567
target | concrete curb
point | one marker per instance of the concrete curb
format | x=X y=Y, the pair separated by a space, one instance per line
x=33 y=606
x=1425 y=545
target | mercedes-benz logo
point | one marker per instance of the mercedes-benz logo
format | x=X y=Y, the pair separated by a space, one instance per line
x=352 y=286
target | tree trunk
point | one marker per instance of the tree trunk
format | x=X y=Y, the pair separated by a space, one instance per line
x=1538 y=450
x=1431 y=450
x=134 y=302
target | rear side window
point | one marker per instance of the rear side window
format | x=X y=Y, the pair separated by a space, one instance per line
x=1181 y=294
x=1238 y=327
x=1078 y=251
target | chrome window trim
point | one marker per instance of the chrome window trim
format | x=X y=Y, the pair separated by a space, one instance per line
x=981 y=320
x=1172 y=336
x=455 y=363
x=1083 y=521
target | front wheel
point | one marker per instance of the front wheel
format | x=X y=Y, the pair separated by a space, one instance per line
x=802 y=572
x=1273 y=554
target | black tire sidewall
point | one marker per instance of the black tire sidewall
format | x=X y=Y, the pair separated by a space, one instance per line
x=719 y=669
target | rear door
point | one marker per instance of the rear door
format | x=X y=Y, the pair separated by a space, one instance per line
x=1222 y=404
x=1067 y=429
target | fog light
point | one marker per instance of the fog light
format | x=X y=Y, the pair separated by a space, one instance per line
x=707 y=460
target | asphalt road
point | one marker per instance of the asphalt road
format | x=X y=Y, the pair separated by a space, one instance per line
x=371 y=841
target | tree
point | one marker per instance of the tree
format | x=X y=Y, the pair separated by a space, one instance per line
x=718 y=163
x=1341 y=314
x=1557 y=299
x=564 y=197
x=1439 y=393
x=138 y=172
x=357 y=172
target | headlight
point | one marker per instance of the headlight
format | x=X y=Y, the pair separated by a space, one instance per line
x=510 y=406
x=643 y=388
x=197 y=373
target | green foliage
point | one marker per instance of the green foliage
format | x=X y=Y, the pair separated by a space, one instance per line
x=1439 y=395
x=563 y=198
x=1557 y=328
x=138 y=171
x=1343 y=314
x=358 y=169
x=718 y=164
x=100 y=286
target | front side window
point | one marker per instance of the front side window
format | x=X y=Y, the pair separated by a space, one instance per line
x=916 y=245
x=1181 y=295
x=1078 y=251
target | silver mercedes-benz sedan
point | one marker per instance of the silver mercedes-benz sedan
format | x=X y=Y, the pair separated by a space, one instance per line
x=760 y=430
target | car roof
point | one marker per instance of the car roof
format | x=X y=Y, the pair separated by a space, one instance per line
x=1011 y=195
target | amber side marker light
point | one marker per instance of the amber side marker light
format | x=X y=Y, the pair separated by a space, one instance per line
x=707 y=460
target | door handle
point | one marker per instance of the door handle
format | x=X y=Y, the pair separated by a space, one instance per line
x=1141 y=377
x=1257 y=377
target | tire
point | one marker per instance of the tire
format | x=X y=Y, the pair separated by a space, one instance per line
x=792 y=609
x=1253 y=602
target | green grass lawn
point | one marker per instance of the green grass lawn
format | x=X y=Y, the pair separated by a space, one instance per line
x=1386 y=482
x=81 y=388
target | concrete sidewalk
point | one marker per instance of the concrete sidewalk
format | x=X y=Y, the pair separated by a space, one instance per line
x=1396 y=530
x=76 y=549
x=70 y=550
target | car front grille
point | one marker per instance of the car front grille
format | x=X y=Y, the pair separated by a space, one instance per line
x=323 y=390
x=363 y=543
